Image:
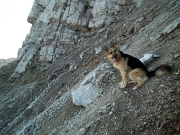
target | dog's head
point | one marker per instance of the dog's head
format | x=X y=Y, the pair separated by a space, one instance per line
x=113 y=54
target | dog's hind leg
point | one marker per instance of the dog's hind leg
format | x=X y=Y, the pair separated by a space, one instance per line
x=138 y=76
x=131 y=82
x=140 y=84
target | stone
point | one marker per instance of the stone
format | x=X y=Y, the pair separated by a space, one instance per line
x=50 y=50
x=98 y=49
x=49 y=57
x=147 y=58
x=50 y=53
x=81 y=55
x=14 y=76
x=72 y=67
x=151 y=91
x=96 y=75
x=88 y=90
x=21 y=52
x=153 y=39
x=26 y=60
x=101 y=30
x=85 y=95
x=171 y=26
x=103 y=109
x=73 y=14
x=58 y=52
x=176 y=55
x=108 y=33
x=138 y=2
x=100 y=11
x=156 y=55
x=97 y=22
x=125 y=47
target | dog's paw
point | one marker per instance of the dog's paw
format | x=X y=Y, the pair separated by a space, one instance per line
x=131 y=82
x=135 y=88
x=123 y=85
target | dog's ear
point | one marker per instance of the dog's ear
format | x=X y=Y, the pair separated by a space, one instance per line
x=113 y=46
x=106 y=49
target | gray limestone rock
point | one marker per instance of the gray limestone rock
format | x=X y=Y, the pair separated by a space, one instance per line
x=55 y=23
x=85 y=94
x=171 y=26
x=88 y=90
x=26 y=60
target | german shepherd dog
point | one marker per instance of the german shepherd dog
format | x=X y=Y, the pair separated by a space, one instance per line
x=138 y=72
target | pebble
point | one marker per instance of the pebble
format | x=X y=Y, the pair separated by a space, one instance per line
x=144 y=123
x=110 y=113
x=108 y=33
x=176 y=55
x=151 y=91
x=103 y=109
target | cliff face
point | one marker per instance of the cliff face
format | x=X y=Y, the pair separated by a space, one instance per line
x=58 y=26
x=63 y=83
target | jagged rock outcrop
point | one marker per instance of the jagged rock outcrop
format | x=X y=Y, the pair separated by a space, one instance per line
x=54 y=26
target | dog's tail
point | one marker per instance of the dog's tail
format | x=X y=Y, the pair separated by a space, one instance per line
x=160 y=70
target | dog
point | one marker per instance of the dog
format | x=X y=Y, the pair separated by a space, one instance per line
x=138 y=72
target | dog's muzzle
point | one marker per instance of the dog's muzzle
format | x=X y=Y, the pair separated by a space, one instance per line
x=114 y=58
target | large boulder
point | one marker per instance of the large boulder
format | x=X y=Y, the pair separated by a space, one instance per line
x=89 y=89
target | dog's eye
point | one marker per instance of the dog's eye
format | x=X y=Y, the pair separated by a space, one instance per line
x=114 y=50
x=110 y=52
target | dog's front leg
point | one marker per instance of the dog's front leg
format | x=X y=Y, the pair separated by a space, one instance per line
x=124 y=79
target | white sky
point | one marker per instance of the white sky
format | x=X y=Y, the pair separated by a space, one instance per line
x=13 y=26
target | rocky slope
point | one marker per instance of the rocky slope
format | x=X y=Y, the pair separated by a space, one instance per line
x=63 y=84
x=6 y=61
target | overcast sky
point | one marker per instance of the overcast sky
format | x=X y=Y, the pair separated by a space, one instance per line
x=13 y=26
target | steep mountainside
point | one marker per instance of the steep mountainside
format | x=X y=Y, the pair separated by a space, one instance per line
x=63 y=84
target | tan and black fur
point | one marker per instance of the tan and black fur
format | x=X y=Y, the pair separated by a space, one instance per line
x=138 y=72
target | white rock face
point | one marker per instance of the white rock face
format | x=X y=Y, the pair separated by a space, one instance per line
x=47 y=53
x=26 y=60
x=101 y=11
x=73 y=12
x=24 y=63
x=54 y=25
x=21 y=52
